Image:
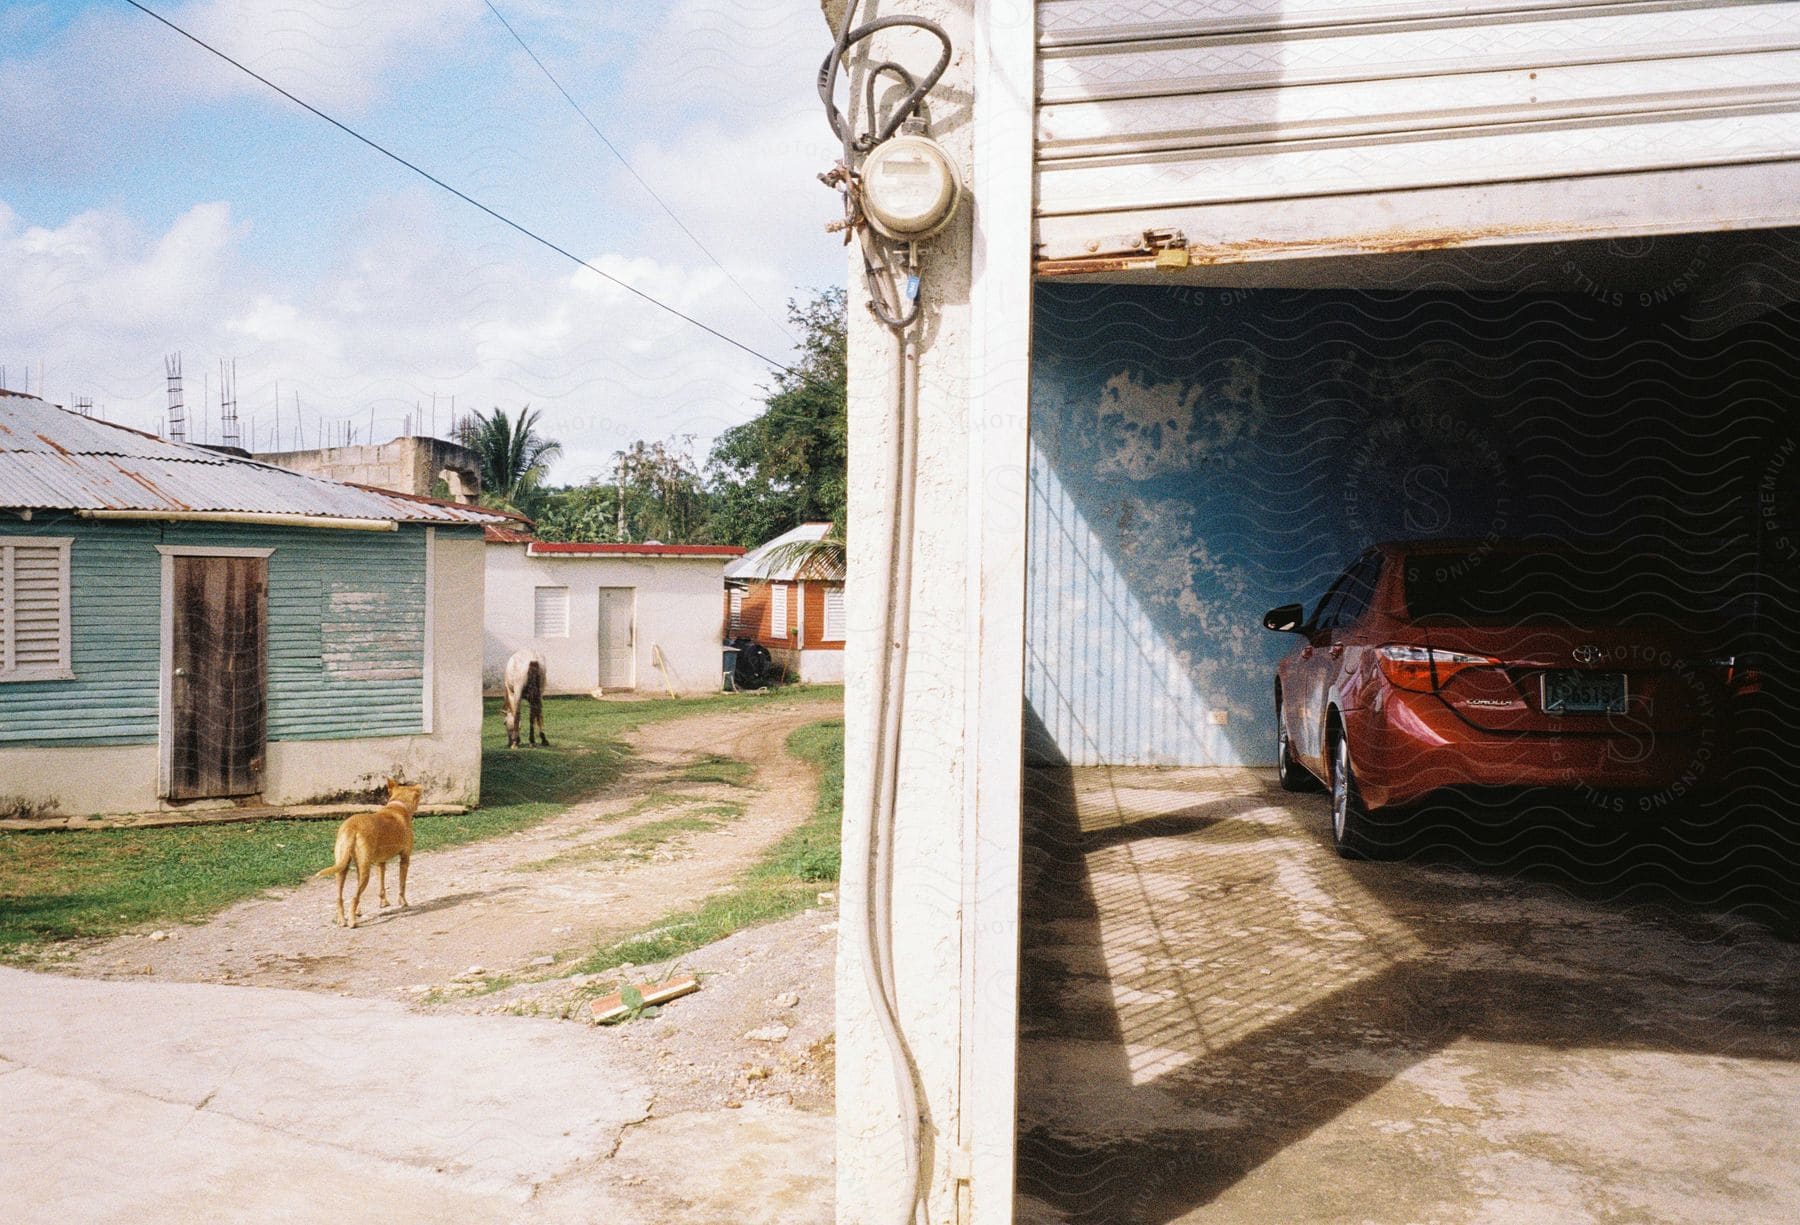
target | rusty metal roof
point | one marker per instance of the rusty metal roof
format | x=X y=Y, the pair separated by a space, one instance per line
x=508 y=535
x=51 y=459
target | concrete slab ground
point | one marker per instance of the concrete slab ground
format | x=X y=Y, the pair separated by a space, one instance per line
x=1224 y=1022
x=182 y=1102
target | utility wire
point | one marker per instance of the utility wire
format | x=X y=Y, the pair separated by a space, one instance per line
x=463 y=196
x=632 y=170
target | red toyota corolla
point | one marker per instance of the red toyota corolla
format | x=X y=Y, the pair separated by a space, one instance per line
x=1453 y=664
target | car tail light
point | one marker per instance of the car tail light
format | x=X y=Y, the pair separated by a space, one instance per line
x=1427 y=669
x=1739 y=676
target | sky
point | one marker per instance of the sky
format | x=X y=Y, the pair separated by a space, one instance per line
x=155 y=200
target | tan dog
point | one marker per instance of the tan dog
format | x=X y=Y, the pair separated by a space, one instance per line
x=373 y=838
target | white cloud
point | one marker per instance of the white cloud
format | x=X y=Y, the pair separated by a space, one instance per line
x=333 y=53
x=406 y=311
x=417 y=294
x=113 y=72
x=719 y=114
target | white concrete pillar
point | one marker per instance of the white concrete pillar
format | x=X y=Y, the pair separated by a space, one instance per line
x=955 y=895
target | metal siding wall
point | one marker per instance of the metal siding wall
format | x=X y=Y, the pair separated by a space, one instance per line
x=115 y=580
x=115 y=618
x=313 y=692
x=1166 y=104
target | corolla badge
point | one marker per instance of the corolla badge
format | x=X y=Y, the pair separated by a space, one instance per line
x=1588 y=654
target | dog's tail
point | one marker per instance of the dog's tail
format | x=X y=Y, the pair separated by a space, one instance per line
x=340 y=854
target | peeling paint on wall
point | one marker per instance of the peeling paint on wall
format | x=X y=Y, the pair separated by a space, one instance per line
x=1199 y=457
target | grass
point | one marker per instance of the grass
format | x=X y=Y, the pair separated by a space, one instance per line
x=784 y=882
x=85 y=883
x=716 y=769
x=641 y=841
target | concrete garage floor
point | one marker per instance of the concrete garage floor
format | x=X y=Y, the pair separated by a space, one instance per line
x=1224 y=1022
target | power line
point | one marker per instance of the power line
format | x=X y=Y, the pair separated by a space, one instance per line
x=460 y=195
x=632 y=170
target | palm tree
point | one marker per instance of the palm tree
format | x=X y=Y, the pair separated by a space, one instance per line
x=825 y=558
x=513 y=456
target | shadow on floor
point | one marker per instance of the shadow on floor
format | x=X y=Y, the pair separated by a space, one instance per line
x=1204 y=984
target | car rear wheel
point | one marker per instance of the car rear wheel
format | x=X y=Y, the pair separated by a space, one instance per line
x=1291 y=774
x=1349 y=819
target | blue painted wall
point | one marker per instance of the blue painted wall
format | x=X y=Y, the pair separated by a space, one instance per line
x=346 y=628
x=1199 y=456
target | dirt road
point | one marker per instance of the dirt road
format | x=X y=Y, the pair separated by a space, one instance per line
x=503 y=905
x=280 y=1104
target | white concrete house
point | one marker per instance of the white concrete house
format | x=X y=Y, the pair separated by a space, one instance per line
x=1145 y=175
x=607 y=617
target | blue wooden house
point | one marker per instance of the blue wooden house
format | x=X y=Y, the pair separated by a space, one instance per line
x=185 y=626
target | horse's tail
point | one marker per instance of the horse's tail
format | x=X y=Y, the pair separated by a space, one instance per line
x=535 y=679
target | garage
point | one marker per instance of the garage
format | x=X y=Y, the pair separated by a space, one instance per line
x=1315 y=278
x=1220 y=1018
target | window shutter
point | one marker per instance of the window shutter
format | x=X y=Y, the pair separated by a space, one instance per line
x=551 y=614
x=34 y=610
x=778 y=612
x=834 y=614
x=737 y=609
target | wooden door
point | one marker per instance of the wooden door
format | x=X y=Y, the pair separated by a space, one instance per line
x=217 y=684
x=618 y=637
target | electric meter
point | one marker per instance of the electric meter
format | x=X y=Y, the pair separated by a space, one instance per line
x=909 y=187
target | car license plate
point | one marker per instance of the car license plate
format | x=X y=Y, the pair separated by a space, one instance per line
x=1584 y=693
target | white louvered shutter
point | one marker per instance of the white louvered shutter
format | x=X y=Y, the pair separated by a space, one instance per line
x=778 y=611
x=34 y=610
x=551 y=615
x=834 y=614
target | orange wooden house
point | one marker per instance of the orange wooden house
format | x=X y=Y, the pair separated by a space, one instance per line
x=796 y=610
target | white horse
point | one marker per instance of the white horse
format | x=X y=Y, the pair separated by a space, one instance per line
x=525 y=681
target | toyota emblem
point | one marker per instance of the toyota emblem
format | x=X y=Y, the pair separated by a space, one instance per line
x=1588 y=654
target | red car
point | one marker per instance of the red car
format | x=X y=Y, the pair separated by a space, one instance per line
x=1436 y=665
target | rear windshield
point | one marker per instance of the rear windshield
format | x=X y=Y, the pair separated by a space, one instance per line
x=1549 y=587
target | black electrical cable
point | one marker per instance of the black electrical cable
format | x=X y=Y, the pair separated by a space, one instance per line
x=880 y=129
x=873 y=78
x=463 y=196
x=632 y=170
x=848 y=37
x=873 y=932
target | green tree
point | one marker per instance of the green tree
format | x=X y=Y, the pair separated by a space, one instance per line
x=514 y=458
x=665 y=498
x=786 y=466
x=663 y=494
x=579 y=512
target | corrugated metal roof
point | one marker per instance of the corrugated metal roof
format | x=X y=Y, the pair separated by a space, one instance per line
x=762 y=565
x=56 y=460
x=1177 y=134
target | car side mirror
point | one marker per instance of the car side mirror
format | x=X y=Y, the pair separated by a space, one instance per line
x=1285 y=620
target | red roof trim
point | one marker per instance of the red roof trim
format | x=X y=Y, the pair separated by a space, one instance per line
x=542 y=548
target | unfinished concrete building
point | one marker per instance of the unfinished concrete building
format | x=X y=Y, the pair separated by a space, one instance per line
x=413 y=465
